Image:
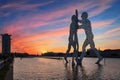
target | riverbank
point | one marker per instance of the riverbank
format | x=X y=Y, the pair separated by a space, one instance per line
x=9 y=74
x=4 y=71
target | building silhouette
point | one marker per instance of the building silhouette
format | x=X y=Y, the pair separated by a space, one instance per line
x=6 y=44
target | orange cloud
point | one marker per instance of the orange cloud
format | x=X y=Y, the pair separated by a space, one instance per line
x=59 y=49
x=32 y=47
x=32 y=42
x=110 y=44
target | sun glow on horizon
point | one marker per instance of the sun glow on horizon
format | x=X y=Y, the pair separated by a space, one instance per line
x=44 y=51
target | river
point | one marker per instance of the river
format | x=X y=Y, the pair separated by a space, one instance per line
x=53 y=69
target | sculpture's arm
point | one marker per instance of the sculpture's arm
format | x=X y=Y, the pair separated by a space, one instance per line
x=76 y=13
x=80 y=26
x=80 y=21
x=71 y=32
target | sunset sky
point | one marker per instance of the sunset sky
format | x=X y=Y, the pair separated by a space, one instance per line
x=38 y=26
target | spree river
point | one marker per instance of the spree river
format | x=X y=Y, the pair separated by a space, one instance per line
x=53 y=69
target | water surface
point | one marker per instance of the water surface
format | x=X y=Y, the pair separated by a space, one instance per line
x=53 y=69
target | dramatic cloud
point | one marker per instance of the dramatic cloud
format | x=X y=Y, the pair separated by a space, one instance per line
x=23 y=6
x=110 y=33
x=37 y=26
x=103 y=23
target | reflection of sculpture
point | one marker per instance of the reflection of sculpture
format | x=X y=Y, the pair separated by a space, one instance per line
x=80 y=72
x=86 y=25
x=73 y=39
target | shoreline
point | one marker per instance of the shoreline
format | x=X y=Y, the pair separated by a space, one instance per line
x=9 y=74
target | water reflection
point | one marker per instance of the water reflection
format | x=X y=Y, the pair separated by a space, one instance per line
x=52 y=69
x=79 y=72
x=96 y=74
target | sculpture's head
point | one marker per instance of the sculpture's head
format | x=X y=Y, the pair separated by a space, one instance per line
x=74 y=18
x=84 y=15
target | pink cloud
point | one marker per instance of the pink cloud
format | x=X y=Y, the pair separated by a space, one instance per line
x=99 y=10
x=112 y=31
x=109 y=34
x=33 y=6
x=100 y=6
x=20 y=6
x=69 y=9
x=24 y=6
x=22 y=24
x=22 y=43
x=45 y=34
x=102 y=23
x=39 y=20
x=39 y=39
x=2 y=14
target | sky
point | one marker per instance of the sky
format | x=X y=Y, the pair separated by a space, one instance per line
x=39 y=26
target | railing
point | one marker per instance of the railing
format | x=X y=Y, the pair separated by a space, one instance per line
x=3 y=62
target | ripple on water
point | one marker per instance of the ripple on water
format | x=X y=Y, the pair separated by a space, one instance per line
x=53 y=69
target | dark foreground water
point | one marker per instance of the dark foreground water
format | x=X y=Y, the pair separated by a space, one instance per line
x=53 y=69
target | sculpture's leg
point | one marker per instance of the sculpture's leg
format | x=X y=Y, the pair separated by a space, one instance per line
x=77 y=47
x=92 y=45
x=74 y=53
x=67 y=52
x=99 y=56
x=83 y=50
x=66 y=57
